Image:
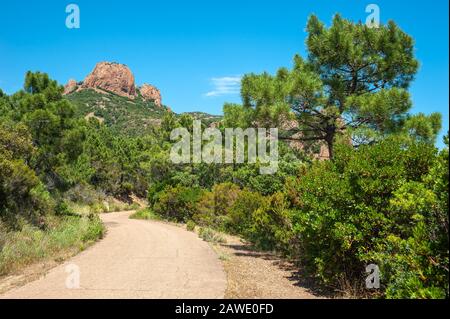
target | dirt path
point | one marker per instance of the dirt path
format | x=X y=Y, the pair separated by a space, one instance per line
x=262 y=275
x=136 y=259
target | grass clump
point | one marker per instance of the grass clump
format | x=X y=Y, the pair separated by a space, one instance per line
x=145 y=214
x=210 y=236
x=190 y=226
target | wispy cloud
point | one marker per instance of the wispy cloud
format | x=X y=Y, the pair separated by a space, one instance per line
x=228 y=85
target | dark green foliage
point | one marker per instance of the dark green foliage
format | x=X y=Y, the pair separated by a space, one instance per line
x=415 y=260
x=242 y=211
x=355 y=210
x=177 y=203
x=40 y=83
x=213 y=208
x=271 y=224
x=22 y=195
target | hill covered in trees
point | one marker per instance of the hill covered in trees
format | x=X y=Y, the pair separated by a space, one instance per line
x=130 y=117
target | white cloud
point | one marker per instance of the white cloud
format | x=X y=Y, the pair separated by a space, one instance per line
x=228 y=85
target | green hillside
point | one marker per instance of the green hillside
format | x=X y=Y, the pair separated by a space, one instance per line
x=132 y=117
x=129 y=117
x=206 y=118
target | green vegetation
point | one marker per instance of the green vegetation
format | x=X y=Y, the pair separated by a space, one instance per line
x=145 y=214
x=122 y=115
x=381 y=198
x=374 y=205
x=60 y=236
x=190 y=226
x=209 y=235
x=206 y=118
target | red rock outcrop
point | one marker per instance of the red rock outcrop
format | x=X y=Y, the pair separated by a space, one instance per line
x=70 y=86
x=149 y=92
x=116 y=78
x=113 y=77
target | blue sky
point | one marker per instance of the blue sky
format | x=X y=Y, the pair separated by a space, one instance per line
x=195 y=51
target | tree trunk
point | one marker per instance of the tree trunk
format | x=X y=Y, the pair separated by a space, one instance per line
x=331 y=133
x=330 y=146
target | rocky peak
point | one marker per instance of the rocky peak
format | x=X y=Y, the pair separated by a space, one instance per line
x=70 y=87
x=150 y=92
x=113 y=77
x=116 y=78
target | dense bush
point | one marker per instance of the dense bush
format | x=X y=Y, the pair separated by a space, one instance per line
x=272 y=225
x=22 y=194
x=214 y=206
x=415 y=260
x=242 y=212
x=177 y=203
x=373 y=205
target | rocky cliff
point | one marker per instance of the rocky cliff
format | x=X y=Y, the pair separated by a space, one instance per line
x=70 y=87
x=113 y=77
x=116 y=78
x=150 y=92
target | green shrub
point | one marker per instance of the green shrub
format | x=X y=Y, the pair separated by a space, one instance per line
x=22 y=194
x=414 y=260
x=190 y=225
x=146 y=214
x=370 y=206
x=271 y=225
x=98 y=208
x=213 y=208
x=94 y=230
x=177 y=203
x=242 y=211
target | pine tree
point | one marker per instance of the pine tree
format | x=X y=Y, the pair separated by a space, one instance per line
x=354 y=81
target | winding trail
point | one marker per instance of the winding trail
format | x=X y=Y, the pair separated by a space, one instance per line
x=136 y=259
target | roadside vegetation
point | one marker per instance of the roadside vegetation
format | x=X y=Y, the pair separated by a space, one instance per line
x=145 y=214
x=61 y=235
